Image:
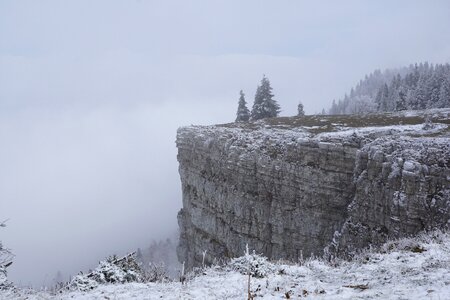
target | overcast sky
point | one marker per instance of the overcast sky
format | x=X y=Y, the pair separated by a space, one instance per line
x=92 y=92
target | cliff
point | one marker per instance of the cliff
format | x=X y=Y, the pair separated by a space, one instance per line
x=292 y=187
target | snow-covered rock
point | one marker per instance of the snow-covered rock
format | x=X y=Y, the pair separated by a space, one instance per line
x=285 y=186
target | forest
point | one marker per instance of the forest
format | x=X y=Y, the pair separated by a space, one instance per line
x=418 y=86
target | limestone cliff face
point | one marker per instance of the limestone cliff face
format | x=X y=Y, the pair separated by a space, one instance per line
x=402 y=186
x=290 y=187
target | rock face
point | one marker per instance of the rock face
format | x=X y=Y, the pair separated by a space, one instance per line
x=292 y=187
x=402 y=186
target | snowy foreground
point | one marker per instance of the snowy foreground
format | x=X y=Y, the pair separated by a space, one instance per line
x=406 y=269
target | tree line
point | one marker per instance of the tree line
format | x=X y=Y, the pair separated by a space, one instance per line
x=264 y=105
x=418 y=86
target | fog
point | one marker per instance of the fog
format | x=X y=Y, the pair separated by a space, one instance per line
x=92 y=92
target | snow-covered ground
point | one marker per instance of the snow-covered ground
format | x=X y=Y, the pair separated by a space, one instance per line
x=416 y=268
x=410 y=124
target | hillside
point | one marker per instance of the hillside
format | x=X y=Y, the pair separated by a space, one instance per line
x=406 y=269
x=419 y=86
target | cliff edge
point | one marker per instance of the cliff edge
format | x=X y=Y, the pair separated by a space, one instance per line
x=292 y=187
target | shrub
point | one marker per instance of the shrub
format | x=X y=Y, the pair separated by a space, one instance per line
x=111 y=270
x=253 y=264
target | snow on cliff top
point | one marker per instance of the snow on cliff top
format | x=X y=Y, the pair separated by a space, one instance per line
x=431 y=127
x=416 y=268
x=326 y=127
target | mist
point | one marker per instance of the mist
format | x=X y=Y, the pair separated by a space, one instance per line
x=92 y=93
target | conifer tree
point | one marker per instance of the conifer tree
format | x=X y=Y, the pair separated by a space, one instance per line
x=382 y=99
x=300 y=110
x=421 y=93
x=243 y=114
x=419 y=86
x=400 y=101
x=264 y=106
x=257 y=112
x=433 y=89
x=444 y=95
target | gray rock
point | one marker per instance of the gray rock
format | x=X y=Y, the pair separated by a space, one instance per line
x=289 y=191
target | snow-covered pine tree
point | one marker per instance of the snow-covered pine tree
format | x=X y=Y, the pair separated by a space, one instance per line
x=410 y=99
x=434 y=86
x=243 y=114
x=378 y=98
x=444 y=95
x=383 y=98
x=112 y=270
x=419 y=86
x=400 y=100
x=422 y=91
x=393 y=90
x=264 y=106
x=300 y=110
x=256 y=113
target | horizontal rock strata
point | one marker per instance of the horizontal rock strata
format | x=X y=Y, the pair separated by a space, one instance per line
x=294 y=187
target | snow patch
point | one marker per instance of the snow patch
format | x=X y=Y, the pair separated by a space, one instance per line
x=413 y=268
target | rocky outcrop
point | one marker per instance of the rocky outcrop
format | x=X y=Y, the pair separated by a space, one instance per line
x=292 y=187
x=401 y=187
